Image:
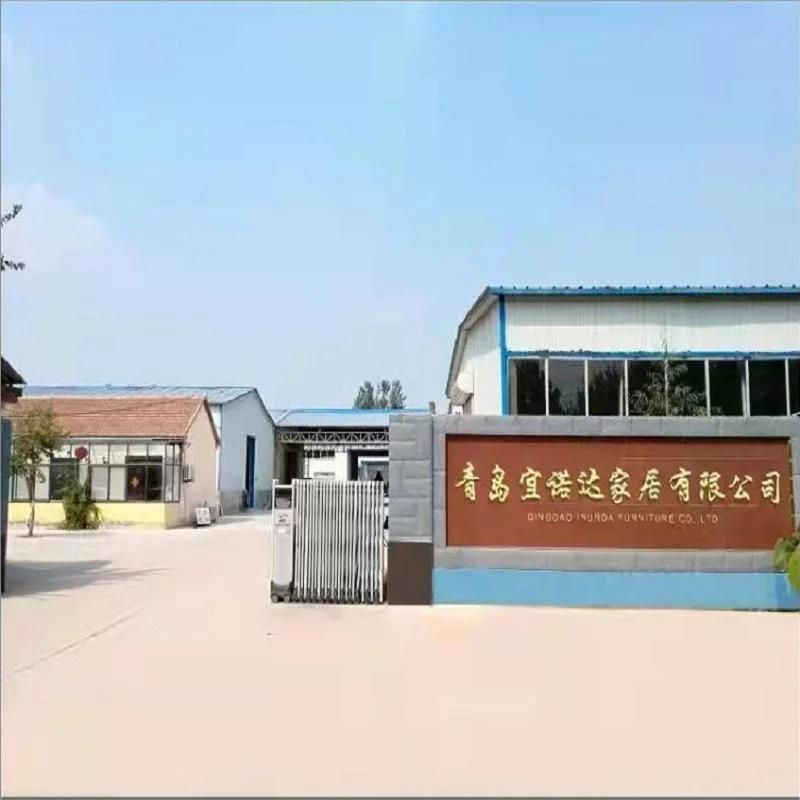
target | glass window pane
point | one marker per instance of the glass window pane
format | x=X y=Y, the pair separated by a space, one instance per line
x=606 y=388
x=62 y=472
x=526 y=378
x=154 y=482
x=99 y=483
x=98 y=453
x=767 y=388
x=137 y=448
x=646 y=394
x=726 y=380
x=117 y=452
x=20 y=488
x=42 y=489
x=83 y=471
x=65 y=451
x=169 y=484
x=686 y=379
x=156 y=451
x=178 y=481
x=794 y=385
x=116 y=483
x=136 y=481
x=567 y=392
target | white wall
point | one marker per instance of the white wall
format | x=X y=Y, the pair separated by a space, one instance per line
x=481 y=357
x=336 y=464
x=241 y=418
x=615 y=324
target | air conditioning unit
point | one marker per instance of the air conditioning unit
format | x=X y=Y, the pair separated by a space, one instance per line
x=188 y=473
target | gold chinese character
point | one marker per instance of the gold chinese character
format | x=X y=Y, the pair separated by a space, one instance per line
x=679 y=483
x=588 y=485
x=560 y=485
x=499 y=490
x=468 y=481
x=741 y=493
x=771 y=487
x=618 y=485
x=651 y=487
x=709 y=486
x=529 y=479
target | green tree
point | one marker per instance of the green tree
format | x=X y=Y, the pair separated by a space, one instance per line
x=388 y=394
x=7 y=263
x=667 y=392
x=37 y=433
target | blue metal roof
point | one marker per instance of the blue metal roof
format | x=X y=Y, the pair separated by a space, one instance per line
x=216 y=395
x=337 y=417
x=639 y=291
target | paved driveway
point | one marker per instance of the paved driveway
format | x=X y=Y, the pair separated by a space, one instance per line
x=145 y=662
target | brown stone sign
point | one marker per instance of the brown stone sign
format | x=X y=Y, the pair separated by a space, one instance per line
x=509 y=491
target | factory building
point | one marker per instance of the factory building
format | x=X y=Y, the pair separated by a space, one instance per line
x=633 y=351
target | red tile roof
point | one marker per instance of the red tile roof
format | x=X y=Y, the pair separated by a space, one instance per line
x=133 y=417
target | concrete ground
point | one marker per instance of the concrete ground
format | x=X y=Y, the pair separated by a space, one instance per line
x=151 y=663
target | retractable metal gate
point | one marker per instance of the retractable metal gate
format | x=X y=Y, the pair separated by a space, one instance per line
x=338 y=541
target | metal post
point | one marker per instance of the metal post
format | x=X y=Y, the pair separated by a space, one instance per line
x=586 y=386
x=708 y=388
x=547 y=387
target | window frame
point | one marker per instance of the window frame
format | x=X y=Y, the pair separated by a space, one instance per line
x=171 y=448
x=544 y=358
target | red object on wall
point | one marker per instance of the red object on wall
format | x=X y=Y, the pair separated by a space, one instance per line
x=703 y=493
x=81 y=453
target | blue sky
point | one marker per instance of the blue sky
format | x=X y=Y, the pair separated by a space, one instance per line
x=301 y=196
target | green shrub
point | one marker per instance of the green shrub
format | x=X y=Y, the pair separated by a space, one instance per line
x=80 y=511
x=786 y=558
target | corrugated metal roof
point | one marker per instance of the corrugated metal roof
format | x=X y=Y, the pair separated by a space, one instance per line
x=337 y=417
x=216 y=395
x=641 y=291
x=490 y=294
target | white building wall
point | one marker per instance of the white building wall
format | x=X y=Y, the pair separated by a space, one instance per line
x=481 y=358
x=241 y=418
x=615 y=324
x=334 y=466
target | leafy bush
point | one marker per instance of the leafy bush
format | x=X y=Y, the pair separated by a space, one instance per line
x=80 y=511
x=786 y=558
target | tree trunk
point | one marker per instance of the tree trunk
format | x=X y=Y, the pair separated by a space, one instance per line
x=32 y=517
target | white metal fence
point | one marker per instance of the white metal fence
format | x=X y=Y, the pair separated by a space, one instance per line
x=338 y=541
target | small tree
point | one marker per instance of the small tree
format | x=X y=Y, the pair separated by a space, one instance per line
x=389 y=394
x=666 y=392
x=7 y=263
x=37 y=433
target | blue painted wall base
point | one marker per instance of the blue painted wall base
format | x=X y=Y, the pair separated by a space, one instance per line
x=719 y=590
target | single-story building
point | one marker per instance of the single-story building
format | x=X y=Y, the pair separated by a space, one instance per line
x=333 y=443
x=149 y=460
x=245 y=457
x=606 y=351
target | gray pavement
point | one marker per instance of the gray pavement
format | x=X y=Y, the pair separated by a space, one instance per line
x=151 y=662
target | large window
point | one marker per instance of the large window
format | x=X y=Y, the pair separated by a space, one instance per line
x=686 y=388
x=727 y=388
x=137 y=471
x=767 y=388
x=655 y=387
x=567 y=388
x=527 y=386
x=646 y=388
x=606 y=388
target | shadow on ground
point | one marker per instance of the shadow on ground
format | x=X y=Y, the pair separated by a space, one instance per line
x=40 y=577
